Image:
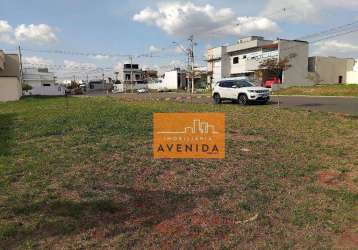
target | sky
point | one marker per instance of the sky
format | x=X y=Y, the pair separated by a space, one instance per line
x=82 y=35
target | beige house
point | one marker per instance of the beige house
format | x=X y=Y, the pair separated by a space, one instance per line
x=10 y=86
x=333 y=70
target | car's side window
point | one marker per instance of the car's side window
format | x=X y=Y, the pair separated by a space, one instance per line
x=243 y=84
x=235 y=84
x=239 y=84
x=228 y=84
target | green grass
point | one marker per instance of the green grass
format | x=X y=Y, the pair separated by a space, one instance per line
x=322 y=90
x=79 y=174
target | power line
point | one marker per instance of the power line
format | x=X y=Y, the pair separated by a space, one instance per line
x=337 y=35
x=328 y=31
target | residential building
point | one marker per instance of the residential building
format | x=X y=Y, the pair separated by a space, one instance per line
x=132 y=74
x=355 y=67
x=98 y=85
x=150 y=75
x=246 y=56
x=200 y=78
x=2 y=60
x=10 y=83
x=332 y=70
x=43 y=82
x=171 y=80
x=352 y=76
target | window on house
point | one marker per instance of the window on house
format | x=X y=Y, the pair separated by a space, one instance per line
x=128 y=77
x=137 y=77
x=46 y=85
x=244 y=57
x=235 y=60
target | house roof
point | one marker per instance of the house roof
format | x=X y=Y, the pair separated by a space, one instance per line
x=10 y=65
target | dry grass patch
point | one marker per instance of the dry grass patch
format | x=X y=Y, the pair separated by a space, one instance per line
x=84 y=178
x=322 y=90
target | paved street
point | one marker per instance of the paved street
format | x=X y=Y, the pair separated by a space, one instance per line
x=327 y=104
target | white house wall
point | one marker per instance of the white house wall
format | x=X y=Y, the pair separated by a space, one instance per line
x=250 y=62
x=170 y=80
x=39 y=89
x=217 y=71
x=352 y=77
x=37 y=80
x=355 y=67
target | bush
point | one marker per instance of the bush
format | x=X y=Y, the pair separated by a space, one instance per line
x=26 y=87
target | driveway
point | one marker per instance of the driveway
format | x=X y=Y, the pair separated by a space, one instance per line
x=346 y=105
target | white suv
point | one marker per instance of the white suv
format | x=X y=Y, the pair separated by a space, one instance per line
x=241 y=90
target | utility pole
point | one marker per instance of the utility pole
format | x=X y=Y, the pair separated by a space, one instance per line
x=131 y=81
x=21 y=69
x=191 y=60
x=104 y=82
x=191 y=54
x=188 y=69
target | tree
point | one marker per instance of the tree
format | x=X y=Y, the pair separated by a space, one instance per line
x=276 y=66
x=26 y=87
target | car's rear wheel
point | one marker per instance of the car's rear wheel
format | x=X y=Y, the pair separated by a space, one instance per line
x=217 y=99
x=243 y=100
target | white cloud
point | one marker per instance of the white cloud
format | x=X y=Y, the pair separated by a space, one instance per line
x=339 y=3
x=5 y=26
x=177 y=64
x=252 y=24
x=201 y=20
x=118 y=67
x=298 y=10
x=336 y=48
x=146 y=16
x=154 y=49
x=6 y=32
x=41 y=33
x=36 y=61
x=304 y=10
x=100 y=57
x=178 y=50
x=78 y=65
x=79 y=69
